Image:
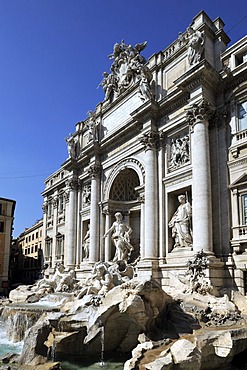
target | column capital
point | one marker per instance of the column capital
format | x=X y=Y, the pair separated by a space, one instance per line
x=94 y=171
x=200 y=111
x=55 y=201
x=150 y=140
x=72 y=183
x=45 y=207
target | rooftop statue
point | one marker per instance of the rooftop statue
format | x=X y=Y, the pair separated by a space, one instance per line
x=71 y=145
x=92 y=126
x=195 y=45
x=128 y=67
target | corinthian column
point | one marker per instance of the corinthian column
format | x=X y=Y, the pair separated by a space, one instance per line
x=94 y=172
x=197 y=116
x=150 y=141
x=72 y=186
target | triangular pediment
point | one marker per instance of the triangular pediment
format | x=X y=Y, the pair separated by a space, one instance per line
x=240 y=181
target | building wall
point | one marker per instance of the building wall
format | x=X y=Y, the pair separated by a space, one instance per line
x=140 y=149
x=7 y=207
x=31 y=243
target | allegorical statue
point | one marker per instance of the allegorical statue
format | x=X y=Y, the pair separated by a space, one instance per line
x=181 y=224
x=121 y=238
x=86 y=244
x=195 y=45
x=71 y=145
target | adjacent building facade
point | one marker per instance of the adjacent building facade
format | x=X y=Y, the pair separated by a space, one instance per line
x=167 y=148
x=30 y=246
x=7 y=208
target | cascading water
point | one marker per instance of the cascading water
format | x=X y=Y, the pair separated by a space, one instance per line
x=102 y=340
x=7 y=346
x=18 y=322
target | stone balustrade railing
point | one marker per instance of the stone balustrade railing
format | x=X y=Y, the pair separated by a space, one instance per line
x=241 y=135
x=240 y=232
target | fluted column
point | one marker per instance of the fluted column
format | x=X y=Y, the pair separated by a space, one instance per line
x=235 y=214
x=107 y=238
x=94 y=172
x=197 y=116
x=72 y=186
x=150 y=140
x=54 y=218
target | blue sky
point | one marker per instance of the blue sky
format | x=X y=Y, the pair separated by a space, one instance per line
x=53 y=54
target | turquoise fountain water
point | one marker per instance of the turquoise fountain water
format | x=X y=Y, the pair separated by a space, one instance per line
x=7 y=346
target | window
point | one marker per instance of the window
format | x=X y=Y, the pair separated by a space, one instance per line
x=49 y=211
x=1 y=226
x=244 y=209
x=37 y=235
x=241 y=58
x=59 y=245
x=36 y=247
x=61 y=203
x=48 y=247
x=245 y=282
x=1 y=209
x=242 y=116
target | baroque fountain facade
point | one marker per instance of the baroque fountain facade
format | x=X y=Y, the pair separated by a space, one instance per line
x=136 y=221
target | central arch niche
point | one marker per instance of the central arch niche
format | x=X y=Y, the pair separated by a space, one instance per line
x=123 y=197
x=123 y=187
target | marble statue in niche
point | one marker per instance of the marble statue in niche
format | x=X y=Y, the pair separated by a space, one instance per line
x=180 y=152
x=86 y=244
x=121 y=238
x=180 y=224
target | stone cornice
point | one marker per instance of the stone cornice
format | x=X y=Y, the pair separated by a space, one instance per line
x=201 y=74
x=237 y=162
x=232 y=81
x=148 y=110
x=172 y=102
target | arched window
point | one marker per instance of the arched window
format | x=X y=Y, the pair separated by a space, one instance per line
x=123 y=187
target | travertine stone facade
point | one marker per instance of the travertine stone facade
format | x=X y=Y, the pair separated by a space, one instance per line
x=30 y=245
x=173 y=125
x=7 y=209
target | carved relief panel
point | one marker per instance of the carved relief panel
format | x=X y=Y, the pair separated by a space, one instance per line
x=179 y=152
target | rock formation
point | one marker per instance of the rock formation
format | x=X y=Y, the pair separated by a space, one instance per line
x=172 y=330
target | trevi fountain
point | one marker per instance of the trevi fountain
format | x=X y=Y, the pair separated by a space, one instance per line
x=119 y=309
x=113 y=313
